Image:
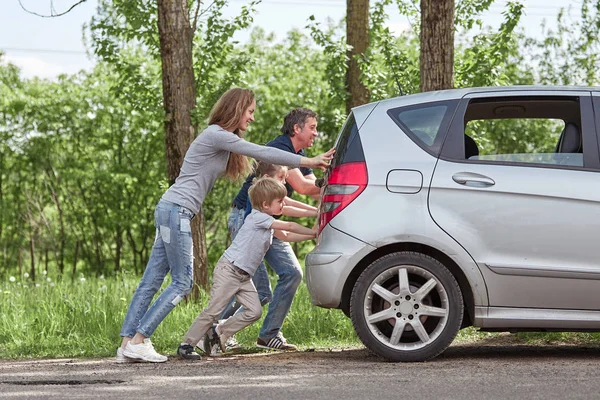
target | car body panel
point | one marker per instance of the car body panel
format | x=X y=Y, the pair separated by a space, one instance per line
x=526 y=243
x=532 y=220
x=535 y=318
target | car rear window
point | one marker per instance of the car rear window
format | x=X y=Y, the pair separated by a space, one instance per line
x=348 y=146
x=426 y=124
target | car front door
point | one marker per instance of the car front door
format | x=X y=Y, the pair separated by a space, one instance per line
x=517 y=185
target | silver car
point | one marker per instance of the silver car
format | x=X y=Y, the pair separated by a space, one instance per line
x=468 y=207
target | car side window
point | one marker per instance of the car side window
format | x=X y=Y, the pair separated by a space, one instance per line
x=426 y=123
x=530 y=131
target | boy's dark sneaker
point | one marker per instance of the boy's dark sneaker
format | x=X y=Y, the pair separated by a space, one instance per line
x=210 y=343
x=206 y=343
x=187 y=352
x=276 y=343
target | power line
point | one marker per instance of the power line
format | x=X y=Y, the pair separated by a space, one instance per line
x=530 y=10
x=342 y=3
x=42 y=50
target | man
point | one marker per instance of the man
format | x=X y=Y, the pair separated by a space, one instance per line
x=299 y=131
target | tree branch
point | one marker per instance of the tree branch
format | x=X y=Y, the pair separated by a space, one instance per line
x=195 y=25
x=53 y=13
x=199 y=14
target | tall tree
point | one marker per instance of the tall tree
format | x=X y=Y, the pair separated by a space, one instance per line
x=179 y=100
x=179 y=94
x=357 y=38
x=437 y=45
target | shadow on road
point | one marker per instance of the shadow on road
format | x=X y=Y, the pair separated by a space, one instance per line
x=487 y=349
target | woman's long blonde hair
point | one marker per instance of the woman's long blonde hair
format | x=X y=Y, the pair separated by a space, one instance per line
x=227 y=113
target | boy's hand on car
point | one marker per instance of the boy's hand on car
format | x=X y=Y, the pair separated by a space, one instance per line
x=315 y=229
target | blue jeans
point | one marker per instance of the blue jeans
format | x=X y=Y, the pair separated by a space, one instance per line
x=172 y=251
x=283 y=261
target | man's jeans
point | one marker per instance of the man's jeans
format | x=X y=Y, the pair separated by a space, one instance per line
x=172 y=251
x=283 y=261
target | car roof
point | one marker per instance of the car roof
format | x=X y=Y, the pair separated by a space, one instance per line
x=453 y=94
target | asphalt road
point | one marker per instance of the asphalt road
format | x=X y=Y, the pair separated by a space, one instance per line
x=462 y=372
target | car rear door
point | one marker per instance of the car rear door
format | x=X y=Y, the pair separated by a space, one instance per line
x=529 y=217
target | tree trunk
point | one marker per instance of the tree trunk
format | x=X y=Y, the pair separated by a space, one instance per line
x=179 y=93
x=3 y=253
x=75 y=259
x=118 y=248
x=31 y=237
x=357 y=33
x=61 y=250
x=20 y=263
x=179 y=98
x=136 y=253
x=437 y=45
x=32 y=253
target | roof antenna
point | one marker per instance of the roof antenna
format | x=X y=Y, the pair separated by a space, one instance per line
x=398 y=83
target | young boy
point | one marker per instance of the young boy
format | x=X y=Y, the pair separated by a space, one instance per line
x=292 y=208
x=233 y=273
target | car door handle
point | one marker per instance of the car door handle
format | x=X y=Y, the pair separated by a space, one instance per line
x=472 y=179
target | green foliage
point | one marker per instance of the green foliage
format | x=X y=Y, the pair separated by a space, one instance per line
x=82 y=159
x=412 y=10
x=512 y=136
x=483 y=63
x=334 y=46
x=467 y=13
x=391 y=65
x=569 y=55
x=86 y=170
x=218 y=64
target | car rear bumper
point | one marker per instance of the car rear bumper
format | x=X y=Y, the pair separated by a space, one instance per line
x=329 y=265
x=323 y=278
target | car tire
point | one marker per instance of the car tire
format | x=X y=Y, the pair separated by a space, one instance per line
x=413 y=291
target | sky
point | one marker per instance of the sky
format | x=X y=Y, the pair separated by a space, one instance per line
x=46 y=47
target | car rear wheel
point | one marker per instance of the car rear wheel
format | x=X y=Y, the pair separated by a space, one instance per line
x=406 y=306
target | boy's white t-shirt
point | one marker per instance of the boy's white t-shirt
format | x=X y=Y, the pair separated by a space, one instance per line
x=251 y=242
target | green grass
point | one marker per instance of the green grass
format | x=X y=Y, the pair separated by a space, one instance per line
x=83 y=319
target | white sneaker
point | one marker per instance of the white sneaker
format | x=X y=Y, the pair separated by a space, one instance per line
x=143 y=351
x=215 y=351
x=200 y=344
x=120 y=358
x=232 y=344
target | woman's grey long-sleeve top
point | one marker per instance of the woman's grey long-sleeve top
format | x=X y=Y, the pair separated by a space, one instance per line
x=206 y=160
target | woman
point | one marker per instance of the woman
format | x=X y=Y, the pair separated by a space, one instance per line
x=219 y=149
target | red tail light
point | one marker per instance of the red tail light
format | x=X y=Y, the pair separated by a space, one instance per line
x=346 y=182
